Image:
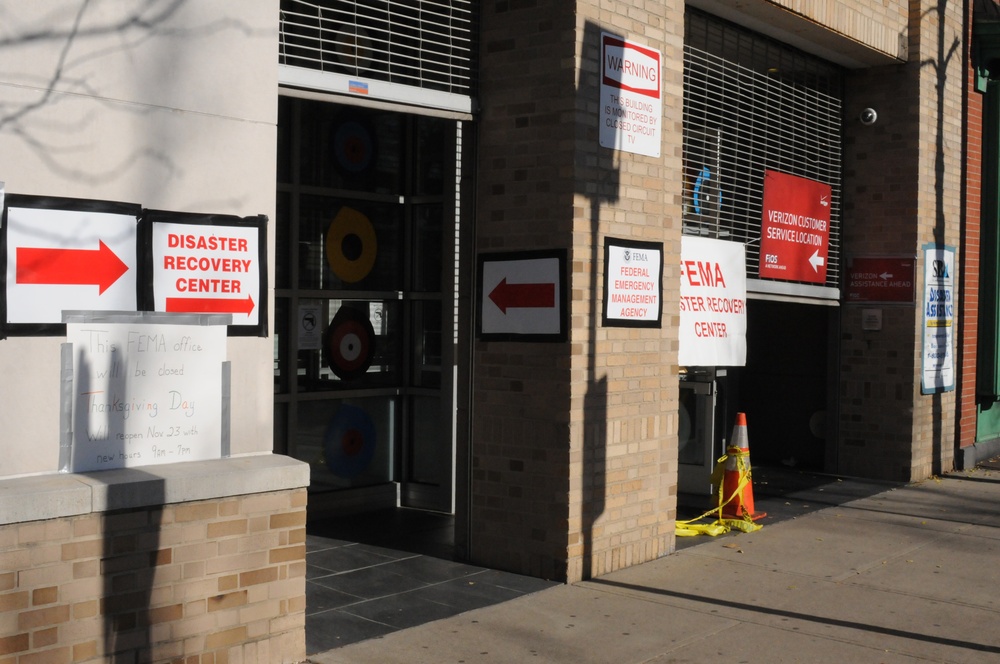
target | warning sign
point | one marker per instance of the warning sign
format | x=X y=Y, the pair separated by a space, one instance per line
x=795 y=229
x=200 y=268
x=631 y=103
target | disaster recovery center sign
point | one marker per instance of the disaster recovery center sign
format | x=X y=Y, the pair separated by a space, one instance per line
x=713 y=303
x=209 y=264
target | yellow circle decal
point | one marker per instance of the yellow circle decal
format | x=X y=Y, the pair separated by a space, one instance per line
x=351 y=245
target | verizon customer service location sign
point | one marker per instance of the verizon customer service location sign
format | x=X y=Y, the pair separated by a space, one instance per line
x=631 y=99
x=795 y=229
x=713 y=314
x=207 y=269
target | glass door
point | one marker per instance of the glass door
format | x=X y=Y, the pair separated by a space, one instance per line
x=696 y=434
x=364 y=246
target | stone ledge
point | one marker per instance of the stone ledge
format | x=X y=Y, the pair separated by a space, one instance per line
x=43 y=497
x=969 y=457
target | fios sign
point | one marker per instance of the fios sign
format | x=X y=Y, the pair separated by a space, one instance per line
x=631 y=103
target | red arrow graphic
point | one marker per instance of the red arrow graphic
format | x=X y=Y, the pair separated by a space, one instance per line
x=528 y=296
x=210 y=305
x=69 y=267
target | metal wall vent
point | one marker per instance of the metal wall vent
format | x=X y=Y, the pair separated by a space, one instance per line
x=427 y=44
x=753 y=104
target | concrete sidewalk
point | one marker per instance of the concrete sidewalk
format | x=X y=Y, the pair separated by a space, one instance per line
x=909 y=574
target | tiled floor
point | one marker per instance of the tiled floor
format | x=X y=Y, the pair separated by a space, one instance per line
x=379 y=572
x=376 y=573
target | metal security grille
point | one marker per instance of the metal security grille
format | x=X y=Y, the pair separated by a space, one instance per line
x=752 y=104
x=427 y=44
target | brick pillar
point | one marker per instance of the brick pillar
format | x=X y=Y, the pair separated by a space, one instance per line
x=902 y=189
x=969 y=293
x=574 y=444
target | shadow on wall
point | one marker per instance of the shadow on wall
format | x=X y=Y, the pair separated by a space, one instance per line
x=603 y=179
x=130 y=559
x=946 y=55
x=130 y=553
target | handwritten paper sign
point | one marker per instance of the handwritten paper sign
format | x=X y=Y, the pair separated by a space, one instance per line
x=145 y=394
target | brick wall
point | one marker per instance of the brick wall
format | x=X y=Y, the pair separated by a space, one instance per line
x=207 y=582
x=902 y=189
x=877 y=23
x=968 y=340
x=574 y=444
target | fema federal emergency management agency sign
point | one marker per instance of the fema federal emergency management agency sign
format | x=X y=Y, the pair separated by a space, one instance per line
x=633 y=283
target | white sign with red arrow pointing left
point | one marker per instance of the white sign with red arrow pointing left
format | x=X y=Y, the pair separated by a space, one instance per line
x=68 y=260
x=521 y=295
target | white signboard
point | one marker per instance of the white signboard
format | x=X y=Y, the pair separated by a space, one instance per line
x=199 y=268
x=631 y=104
x=713 y=315
x=145 y=394
x=68 y=259
x=633 y=289
x=522 y=296
x=310 y=326
x=938 y=356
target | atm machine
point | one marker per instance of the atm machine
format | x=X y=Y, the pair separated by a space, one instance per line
x=701 y=430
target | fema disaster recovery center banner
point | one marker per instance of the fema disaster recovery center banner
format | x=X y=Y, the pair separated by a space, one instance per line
x=713 y=303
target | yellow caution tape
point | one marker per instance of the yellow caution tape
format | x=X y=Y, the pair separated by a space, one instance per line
x=722 y=526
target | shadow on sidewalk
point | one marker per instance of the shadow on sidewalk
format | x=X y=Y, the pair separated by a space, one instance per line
x=798 y=616
x=782 y=494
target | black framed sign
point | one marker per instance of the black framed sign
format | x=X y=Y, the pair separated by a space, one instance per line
x=633 y=283
x=206 y=264
x=522 y=296
x=65 y=254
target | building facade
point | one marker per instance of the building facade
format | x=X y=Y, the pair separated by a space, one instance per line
x=978 y=431
x=112 y=111
x=447 y=200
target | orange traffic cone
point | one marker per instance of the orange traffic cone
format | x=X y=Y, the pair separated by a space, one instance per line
x=737 y=491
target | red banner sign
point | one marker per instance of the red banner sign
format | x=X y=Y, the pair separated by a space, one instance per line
x=795 y=229
x=881 y=279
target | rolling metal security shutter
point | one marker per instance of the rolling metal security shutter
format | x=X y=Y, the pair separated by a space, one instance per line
x=752 y=104
x=426 y=44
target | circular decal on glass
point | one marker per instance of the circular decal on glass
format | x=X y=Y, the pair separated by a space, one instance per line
x=350 y=343
x=351 y=245
x=354 y=146
x=349 y=442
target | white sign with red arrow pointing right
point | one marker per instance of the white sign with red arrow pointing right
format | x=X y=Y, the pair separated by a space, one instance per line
x=68 y=260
